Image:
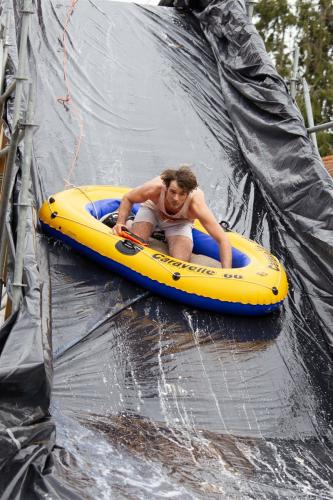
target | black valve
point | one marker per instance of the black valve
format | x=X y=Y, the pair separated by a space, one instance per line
x=225 y=225
x=126 y=247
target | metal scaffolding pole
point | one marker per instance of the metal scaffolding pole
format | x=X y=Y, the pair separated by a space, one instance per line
x=309 y=114
x=250 y=7
x=3 y=50
x=8 y=179
x=323 y=126
x=2 y=56
x=23 y=202
x=293 y=79
x=7 y=93
x=21 y=69
x=3 y=61
x=5 y=201
x=5 y=96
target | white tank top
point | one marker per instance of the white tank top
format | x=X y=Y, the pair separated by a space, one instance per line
x=182 y=215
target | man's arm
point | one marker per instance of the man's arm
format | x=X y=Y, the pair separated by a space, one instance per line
x=137 y=195
x=201 y=211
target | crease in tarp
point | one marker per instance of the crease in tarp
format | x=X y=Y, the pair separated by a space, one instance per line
x=57 y=353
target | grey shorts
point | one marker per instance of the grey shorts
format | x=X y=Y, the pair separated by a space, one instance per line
x=170 y=228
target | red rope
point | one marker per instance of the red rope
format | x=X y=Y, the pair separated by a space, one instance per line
x=67 y=100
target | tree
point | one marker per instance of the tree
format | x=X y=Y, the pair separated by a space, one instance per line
x=310 y=23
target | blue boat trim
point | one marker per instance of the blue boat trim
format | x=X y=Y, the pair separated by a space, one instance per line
x=203 y=243
x=158 y=288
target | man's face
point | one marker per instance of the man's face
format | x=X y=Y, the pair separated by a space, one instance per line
x=175 y=196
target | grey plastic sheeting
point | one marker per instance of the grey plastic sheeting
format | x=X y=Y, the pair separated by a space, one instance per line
x=145 y=398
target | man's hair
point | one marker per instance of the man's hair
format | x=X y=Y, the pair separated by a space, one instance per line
x=184 y=177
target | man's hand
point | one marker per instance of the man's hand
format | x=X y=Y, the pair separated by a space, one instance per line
x=136 y=195
x=118 y=229
x=201 y=211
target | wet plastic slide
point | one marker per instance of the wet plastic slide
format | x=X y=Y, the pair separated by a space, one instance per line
x=108 y=391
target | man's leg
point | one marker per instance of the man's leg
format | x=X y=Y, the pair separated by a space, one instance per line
x=180 y=247
x=179 y=238
x=142 y=229
x=144 y=223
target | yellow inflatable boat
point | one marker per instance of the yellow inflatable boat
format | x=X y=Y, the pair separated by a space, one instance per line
x=255 y=285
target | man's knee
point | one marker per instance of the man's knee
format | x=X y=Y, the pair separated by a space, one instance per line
x=142 y=229
x=180 y=247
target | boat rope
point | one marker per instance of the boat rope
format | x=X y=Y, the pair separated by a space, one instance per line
x=67 y=100
x=280 y=275
x=82 y=191
x=206 y=277
x=56 y=215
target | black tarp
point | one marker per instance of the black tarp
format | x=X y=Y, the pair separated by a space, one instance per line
x=107 y=391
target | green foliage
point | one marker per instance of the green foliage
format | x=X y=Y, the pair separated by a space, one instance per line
x=310 y=22
x=275 y=22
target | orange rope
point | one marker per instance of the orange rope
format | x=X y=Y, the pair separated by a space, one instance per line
x=67 y=100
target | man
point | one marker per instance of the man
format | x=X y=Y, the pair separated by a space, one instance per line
x=172 y=201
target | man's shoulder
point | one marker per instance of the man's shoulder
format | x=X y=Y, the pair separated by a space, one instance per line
x=150 y=189
x=198 y=196
x=156 y=181
x=154 y=185
x=197 y=202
